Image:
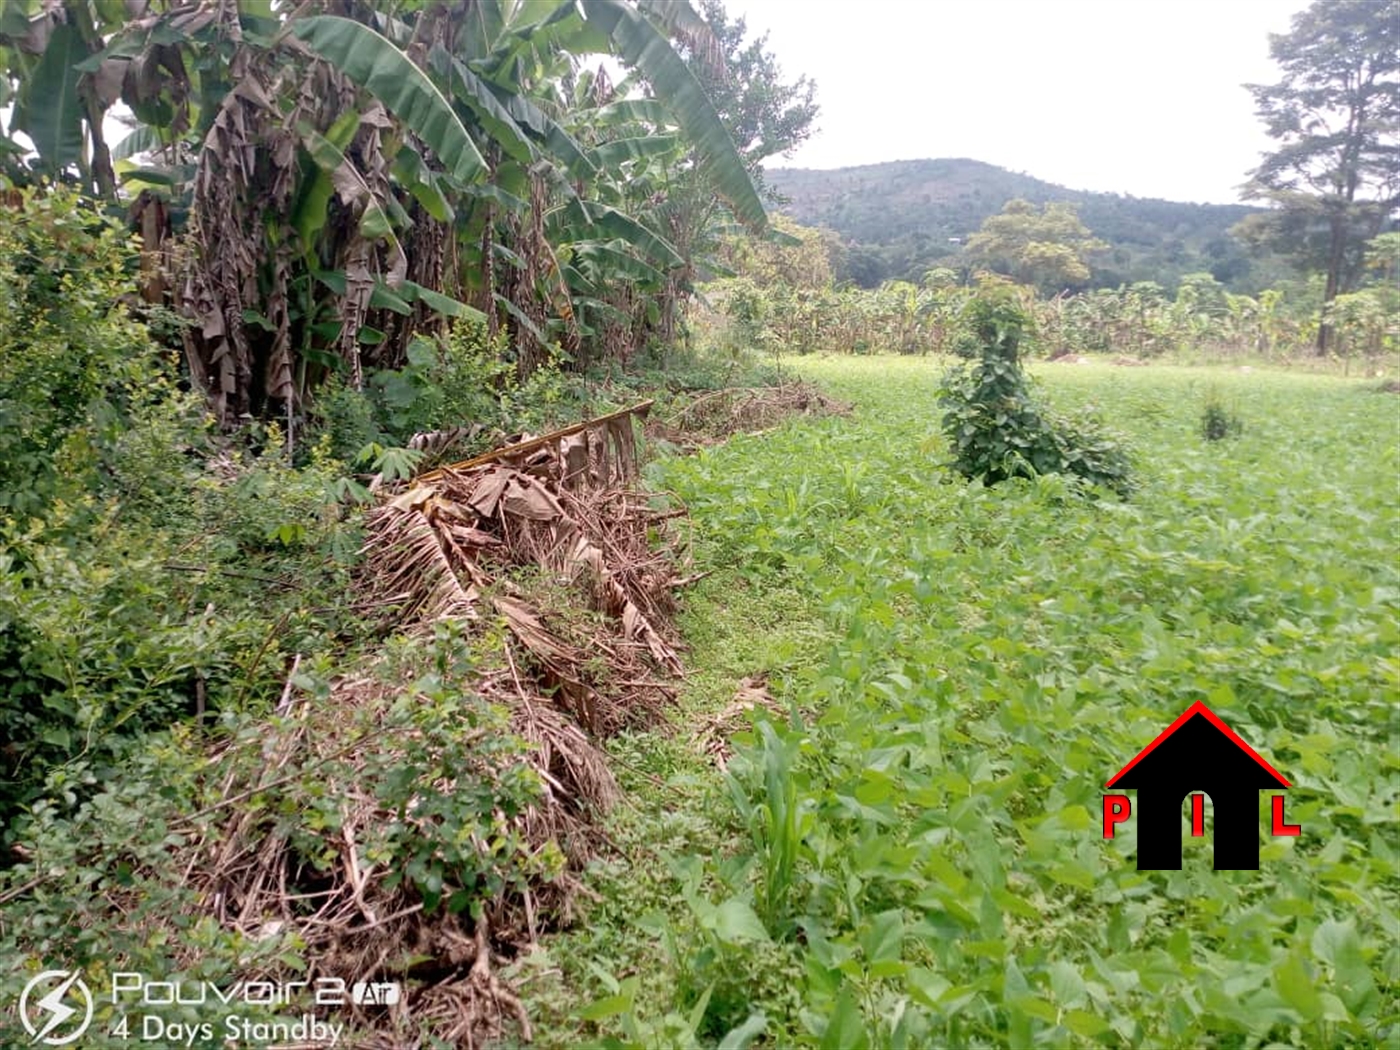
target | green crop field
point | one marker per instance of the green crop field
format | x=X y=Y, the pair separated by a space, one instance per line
x=913 y=855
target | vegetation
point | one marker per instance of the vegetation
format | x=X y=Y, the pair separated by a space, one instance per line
x=784 y=300
x=1217 y=421
x=910 y=852
x=368 y=412
x=224 y=731
x=902 y=218
x=994 y=425
x=1334 y=178
x=1049 y=249
x=316 y=191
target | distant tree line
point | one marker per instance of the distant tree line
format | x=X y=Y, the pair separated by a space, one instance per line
x=786 y=298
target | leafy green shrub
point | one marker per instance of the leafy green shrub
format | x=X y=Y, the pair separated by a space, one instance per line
x=274 y=512
x=747 y=307
x=108 y=635
x=467 y=379
x=1217 y=421
x=75 y=366
x=998 y=429
x=347 y=418
x=460 y=849
x=98 y=842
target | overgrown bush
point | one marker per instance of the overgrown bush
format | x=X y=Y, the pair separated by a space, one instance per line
x=1217 y=421
x=74 y=366
x=999 y=429
x=148 y=568
x=196 y=602
x=463 y=381
x=150 y=839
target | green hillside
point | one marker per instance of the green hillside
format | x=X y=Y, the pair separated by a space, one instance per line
x=900 y=218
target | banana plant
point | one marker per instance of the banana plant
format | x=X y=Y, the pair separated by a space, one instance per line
x=343 y=184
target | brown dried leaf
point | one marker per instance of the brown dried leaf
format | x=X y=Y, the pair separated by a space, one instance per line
x=712 y=735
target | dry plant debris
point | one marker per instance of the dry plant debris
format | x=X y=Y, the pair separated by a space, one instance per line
x=546 y=544
x=716 y=415
x=560 y=504
x=713 y=734
x=546 y=547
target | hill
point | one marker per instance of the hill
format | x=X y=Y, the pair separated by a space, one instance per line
x=900 y=218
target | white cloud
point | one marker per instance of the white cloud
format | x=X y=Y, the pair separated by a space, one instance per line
x=1128 y=96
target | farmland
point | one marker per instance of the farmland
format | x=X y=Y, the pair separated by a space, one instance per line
x=466 y=551
x=910 y=852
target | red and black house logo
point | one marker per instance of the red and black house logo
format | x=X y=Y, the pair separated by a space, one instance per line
x=1197 y=753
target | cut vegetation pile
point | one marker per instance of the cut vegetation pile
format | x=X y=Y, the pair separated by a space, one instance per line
x=429 y=812
x=715 y=415
x=559 y=503
x=446 y=833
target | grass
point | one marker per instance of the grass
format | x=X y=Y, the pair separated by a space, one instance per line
x=915 y=856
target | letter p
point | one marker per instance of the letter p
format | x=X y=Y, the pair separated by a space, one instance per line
x=1116 y=809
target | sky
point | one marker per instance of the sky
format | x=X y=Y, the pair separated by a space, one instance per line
x=1139 y=97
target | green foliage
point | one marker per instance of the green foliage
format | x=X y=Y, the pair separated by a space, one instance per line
x=1049 y=249
x=1333 y=114
x=998 y=429
x=185 y=594
x=781 y=318
x=777 y=303
x=982 y=661
x=97 y=840
x=295 y=230
x=144 y=563
x=776 y=823
x=461 y=849
x=900 y=218
x=467 y=379
x=75 y=368
x=765 y=115
x=1217 y=421
x=97 y=837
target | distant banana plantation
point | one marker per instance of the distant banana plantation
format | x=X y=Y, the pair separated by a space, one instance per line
x=783 y=297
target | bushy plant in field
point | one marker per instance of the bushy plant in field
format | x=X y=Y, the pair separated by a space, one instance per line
x=1217 y=421
x=999 y=429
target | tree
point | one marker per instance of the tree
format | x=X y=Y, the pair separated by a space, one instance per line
x=1049 y=248
x=764 y=114
x=794 y=255
x=1334 y=180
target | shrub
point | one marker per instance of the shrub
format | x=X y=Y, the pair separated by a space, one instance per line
x=466 y=379
x=998 y=429
x=112 y=632
x=426 y=776
x=1217 y=421
x=75 y=366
